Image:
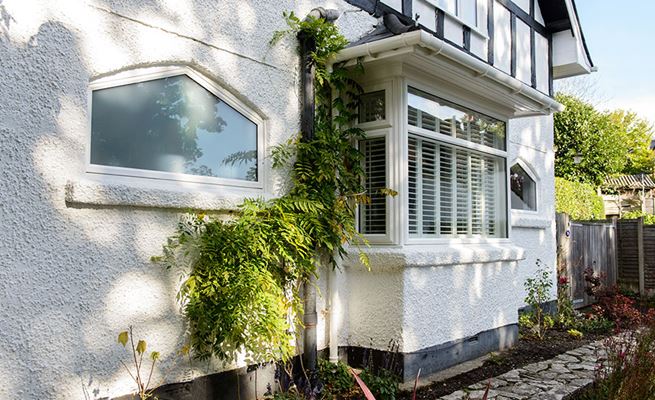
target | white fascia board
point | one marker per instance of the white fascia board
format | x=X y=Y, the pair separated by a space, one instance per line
x=407 y=42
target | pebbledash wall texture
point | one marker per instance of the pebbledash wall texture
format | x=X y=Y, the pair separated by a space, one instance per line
x=74 y=264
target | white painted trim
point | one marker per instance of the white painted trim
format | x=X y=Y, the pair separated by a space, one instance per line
x=153 y=73
x=382 y=238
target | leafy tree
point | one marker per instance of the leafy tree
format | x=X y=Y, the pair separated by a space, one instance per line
x=611 y=142
x=637 y=134
x=581 y=130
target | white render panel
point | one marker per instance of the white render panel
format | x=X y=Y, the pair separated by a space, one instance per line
x=483 y=16
x=541 y=56
x=73 y=277
x=479 y=46
x=453 y=30
x=426 y=13
x=524 y=4
x=502 y=38
x=523 y=53
x=440 y=302
x=395 y=4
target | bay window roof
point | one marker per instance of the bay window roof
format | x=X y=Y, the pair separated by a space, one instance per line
x=434 y=56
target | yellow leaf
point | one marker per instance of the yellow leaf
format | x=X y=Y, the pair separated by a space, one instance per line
x=122 y=338
x=141 y=347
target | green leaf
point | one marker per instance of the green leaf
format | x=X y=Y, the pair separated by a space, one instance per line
x=141 y=347
x=123 y=337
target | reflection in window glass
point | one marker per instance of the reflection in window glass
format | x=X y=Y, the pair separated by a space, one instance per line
x=437 y=115
x=524 y=189
x=372 y=107
x=172 y=125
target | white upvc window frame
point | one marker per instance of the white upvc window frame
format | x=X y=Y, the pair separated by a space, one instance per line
x=404 y=133
x=136 y=176
x=537 y=181
x=378 y=129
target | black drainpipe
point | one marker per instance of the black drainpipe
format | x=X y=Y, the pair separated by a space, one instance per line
x=308 y=71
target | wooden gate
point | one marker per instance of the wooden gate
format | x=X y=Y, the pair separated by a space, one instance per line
x=586 y=244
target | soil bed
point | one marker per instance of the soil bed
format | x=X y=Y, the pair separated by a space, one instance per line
x=527 y=351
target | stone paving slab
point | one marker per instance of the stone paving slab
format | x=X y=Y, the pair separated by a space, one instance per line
x=552 y=379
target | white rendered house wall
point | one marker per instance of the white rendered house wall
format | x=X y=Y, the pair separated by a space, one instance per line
x=77 y=271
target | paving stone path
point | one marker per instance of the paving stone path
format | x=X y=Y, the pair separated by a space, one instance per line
x=546 y=380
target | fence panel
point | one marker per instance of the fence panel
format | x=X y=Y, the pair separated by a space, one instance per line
x=649 y=257
x=628 y=249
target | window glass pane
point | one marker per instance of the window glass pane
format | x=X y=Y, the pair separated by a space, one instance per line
x=373 y=216
x=172 y=125
x=524 y=189
x=372 y=107
x=440 y=116
x=455 y=192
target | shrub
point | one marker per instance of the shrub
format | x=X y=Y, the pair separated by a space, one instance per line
x=611 y=303
x=579 y=200
x=565 y=313
x=538 y=293
x=574 y=333
x=337 y=380
x=593 y=323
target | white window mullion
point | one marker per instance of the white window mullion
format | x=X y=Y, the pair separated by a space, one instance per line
x=437 y=188
x=469 y=197
x=419 y=187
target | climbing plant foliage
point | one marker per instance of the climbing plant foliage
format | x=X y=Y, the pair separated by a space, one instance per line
x=241 y=275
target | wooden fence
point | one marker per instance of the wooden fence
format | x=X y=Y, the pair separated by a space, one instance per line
x=584 y=245
x=620 y=251
x=636 y=248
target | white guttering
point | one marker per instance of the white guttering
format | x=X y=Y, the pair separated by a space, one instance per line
x=435 y=46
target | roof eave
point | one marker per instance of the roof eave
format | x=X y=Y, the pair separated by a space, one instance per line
x=439 y=48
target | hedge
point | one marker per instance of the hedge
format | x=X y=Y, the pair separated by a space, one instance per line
x=579 y=200
x=649 y=219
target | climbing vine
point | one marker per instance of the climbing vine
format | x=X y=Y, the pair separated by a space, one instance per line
x=241 y=276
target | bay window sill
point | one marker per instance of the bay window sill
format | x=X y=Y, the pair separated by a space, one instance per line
x=396 y=257
x=118 y=192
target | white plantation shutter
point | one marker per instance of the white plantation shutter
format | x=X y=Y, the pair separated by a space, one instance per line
x=456 y=189
x=414 y=197
x=491 y=198
x=373 y=216
x=453 y=192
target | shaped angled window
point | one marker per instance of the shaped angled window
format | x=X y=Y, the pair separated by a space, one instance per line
x=169 y=126
x=524 y=189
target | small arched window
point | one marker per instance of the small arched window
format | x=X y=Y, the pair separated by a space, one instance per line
x=524 y=189
x=173 y=123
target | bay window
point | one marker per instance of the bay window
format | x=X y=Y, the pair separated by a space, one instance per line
x=456 y=177
x=456 y=170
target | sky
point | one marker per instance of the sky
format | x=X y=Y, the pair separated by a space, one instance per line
x=621 y=40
